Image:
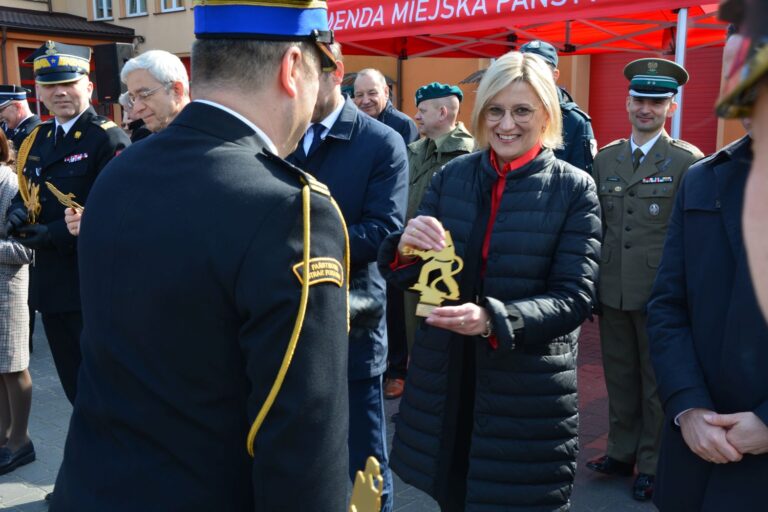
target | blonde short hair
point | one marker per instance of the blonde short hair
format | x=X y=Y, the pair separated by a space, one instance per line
x=520 y=67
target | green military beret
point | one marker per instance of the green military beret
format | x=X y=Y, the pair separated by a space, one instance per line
x=654 y=78
x=437 y=90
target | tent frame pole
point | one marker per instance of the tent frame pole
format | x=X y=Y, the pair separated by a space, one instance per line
x=680 y=43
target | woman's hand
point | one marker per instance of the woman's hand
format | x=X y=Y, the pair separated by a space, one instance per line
x=422 y=233
x=72 y=218
x=467 y=319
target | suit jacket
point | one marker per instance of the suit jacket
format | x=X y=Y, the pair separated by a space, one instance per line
x=23 y=130
x=399 y=122
x=636 y=206
x=708 y=340
x=72 y=166
x=364 y=164
x=191 y=242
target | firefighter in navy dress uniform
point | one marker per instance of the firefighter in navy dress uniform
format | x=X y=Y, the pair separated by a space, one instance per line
x=198 y=288
x=15 y=113
x=68 y=151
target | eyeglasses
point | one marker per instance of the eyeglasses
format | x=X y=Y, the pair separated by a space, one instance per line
x=143 y=95
x=520 y=114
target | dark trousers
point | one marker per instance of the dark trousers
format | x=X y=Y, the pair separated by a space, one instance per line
x=368 y=432
x=397 y=342
x=63 y=333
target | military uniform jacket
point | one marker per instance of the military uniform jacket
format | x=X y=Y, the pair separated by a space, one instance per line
x=191 y=241
x=25 y=128
x=427 y=156
x=636 y=206
x=579 y=145
x=72 y=165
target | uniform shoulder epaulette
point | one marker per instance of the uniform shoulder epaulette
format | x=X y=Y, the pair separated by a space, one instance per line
x=686 y=146
x=583 y=114
x=104 y=122
x=612 y=144
x=305 y=177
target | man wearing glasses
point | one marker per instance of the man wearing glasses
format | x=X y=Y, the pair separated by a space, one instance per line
x=15 y=113
x=158 y=89
x=69 y=151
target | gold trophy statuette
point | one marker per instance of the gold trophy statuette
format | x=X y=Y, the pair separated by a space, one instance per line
x=368 y=488
x=448 y=265
x=66 y=200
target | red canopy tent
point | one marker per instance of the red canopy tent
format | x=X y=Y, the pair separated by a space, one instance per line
x=489 y=28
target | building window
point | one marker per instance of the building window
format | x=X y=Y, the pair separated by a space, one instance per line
x=171 y=5
x=135 y=7
x=102 y=9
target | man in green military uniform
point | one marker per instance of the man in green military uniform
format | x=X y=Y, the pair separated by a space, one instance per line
x=68 y=151
x=637 y=180
x=444 y=138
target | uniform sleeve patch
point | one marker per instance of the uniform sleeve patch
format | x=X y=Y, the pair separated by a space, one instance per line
x=321 y=270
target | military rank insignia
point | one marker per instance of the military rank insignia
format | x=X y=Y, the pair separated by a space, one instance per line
x=321 y=270
x=658 y=179
x=654 y=209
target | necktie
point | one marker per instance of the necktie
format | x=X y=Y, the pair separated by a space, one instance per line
x=316 y=130
x=59 y=135
x=637 y=155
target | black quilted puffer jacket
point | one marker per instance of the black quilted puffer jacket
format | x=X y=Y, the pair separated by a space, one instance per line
x=506 y=419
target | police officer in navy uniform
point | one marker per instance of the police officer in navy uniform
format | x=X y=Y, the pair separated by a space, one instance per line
x=579 y=145
x=637 y=179
x=68 y=151
x=214 y=372
x=15 y=113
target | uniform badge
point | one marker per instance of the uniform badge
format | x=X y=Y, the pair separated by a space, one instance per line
x=654 y=209
x=612 y=178
x=38 y=170
x=617 y=189
x=76 y=158
x=658 y=179
x=78 y=134
x=593 y=147
x=321 y=270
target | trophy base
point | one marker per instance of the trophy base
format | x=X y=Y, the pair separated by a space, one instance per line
x=424 y=310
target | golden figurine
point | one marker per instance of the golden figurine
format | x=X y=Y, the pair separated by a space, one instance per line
x=368 y=488
x=448 y=264
x=66 y=200
x=33 y=203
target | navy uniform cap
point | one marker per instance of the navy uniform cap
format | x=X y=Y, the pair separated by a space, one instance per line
x=59 y=63
x=544 y=50
x=654 y=78
x=437 y=90
x=750 y=63
x=268 y=20
x=9 y=93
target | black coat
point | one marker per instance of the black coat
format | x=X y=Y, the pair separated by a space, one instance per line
x=23 y=129
x=539 y=286
x=708 y=339
x=72 y=166
x=191 y=240
x=399 y=122
x=579 y=144
x=364 y=165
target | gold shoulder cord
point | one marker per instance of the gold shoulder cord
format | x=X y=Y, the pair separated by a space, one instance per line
x=289 y=351
x=24 y=188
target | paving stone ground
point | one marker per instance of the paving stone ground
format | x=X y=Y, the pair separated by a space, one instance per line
x=24 y=489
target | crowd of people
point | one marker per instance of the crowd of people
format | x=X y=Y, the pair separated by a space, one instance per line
x=235 y=306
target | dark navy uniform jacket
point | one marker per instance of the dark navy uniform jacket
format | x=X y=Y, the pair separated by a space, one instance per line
x=399 y=122
x=190 y=296
x=579 y=145
x=707 y=336
x=365 y=165
x=23 y=129
x=72 y=166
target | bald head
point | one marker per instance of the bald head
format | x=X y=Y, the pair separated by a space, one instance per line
x=437 y=116
x=371 y=91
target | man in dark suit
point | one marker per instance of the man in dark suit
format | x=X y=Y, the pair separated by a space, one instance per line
x=364 y=164
x=372 y=97
x=15 y=113
x=708 y=347
x=214 y=351
x=68 y=151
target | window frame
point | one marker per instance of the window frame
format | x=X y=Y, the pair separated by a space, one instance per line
x=178 y=5
x=105 y=6
x=129 y=14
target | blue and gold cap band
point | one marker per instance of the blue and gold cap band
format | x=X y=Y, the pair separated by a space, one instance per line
x=56 y=63
x=654 y=78
x=285 y=20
